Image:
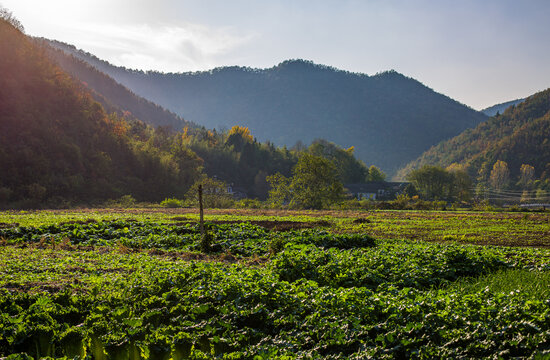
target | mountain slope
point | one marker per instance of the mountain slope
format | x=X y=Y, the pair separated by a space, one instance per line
x=111 y=94
x=57 y=144
x=389 y=118
x=521 y=135
x=499 y=108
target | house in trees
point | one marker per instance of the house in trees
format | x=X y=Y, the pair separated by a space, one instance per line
x=376 y=190
x=238 y=193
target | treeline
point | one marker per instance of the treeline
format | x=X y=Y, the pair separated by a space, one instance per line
x=493 y=184
x=238 y=158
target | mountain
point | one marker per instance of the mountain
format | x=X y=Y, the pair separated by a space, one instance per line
x=389 y=118
x=58 y=145
x=499 y=108
x=112 y=95
x=520 y=135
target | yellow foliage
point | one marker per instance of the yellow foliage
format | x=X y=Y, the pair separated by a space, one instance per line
x=185 y=133
x=242 y=131
x=454 y=167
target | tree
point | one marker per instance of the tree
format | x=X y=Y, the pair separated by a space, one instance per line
x=526 y=177
x=375 y=174
x=241 y=131
x=525 y=196
x=7 y=15
x=432 y=182
x=462 y=183
x=279 y=192
x=546 y=173
x=483 y=172
x=542 y=195
x=215 y=194
x=350 y=169
x=315 y=183
x=261 y=187
x=238 y=137
x=500 y=175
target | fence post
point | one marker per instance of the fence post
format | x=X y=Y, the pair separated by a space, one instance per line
x=201 y=216
x=205 y=238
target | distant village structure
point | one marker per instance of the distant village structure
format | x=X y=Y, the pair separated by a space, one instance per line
x=376 y=190
x=238 y=193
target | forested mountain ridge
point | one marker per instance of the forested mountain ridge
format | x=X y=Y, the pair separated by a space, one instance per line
x=500 y=108
x=112 y=95
x=389 y=118
x=58 y=145
x=520 y=135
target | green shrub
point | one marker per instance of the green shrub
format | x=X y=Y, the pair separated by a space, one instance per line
x=250 y=204
x=125 y=201
x=171 y=203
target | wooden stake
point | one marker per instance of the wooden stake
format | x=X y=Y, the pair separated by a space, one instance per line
x=205 y=238
x=201 y=211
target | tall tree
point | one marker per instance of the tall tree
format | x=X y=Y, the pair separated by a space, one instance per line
x=350 y=169
x=432 y=182
x=279 y=192
x=375 y=174
x=500 y=175
x=462 y=183
x=526 y=176
x=315 y=183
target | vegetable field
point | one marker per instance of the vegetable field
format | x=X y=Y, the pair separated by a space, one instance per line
x=134 y=285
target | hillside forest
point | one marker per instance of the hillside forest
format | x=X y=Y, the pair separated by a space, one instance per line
x=60 y=146
x=507 y=157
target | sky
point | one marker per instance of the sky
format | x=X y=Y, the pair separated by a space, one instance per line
x=478 y=52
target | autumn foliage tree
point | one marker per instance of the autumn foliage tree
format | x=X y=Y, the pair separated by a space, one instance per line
x=500 y=175
x=526 y=177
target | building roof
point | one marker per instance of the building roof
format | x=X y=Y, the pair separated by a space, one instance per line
x=375 y=186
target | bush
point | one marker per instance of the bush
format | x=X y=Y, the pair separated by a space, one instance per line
x=125 y=201
x=171 y=203
x=250 y=204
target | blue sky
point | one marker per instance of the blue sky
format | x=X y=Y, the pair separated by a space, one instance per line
x=478 y=52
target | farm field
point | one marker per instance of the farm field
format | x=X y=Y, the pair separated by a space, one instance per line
x=485 y=228
x=133 y=284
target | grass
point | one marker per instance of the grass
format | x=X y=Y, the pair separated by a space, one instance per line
x=536 y=284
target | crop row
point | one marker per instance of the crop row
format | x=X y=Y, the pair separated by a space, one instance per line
x=239 y=239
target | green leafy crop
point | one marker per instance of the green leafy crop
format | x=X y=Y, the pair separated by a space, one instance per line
x=316 y=295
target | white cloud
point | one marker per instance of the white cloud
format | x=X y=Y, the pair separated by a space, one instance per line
x=169 y=48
